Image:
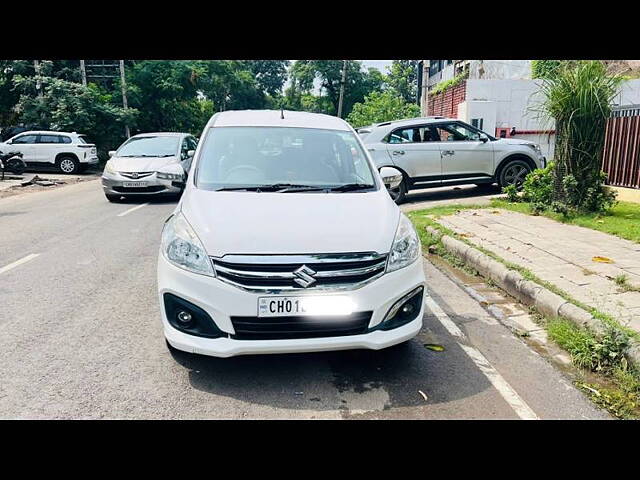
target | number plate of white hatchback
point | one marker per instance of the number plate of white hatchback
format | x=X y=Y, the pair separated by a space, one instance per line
x=134 y=184
x=321 y=305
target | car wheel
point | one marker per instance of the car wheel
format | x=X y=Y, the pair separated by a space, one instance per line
x=112 y=198
x=68 y=165
x=514 y=173
x=398 y=194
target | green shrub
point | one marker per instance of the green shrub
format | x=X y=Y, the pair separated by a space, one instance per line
x=604 y=354
x=512 y=193
x=595 y=198
x=538 y=186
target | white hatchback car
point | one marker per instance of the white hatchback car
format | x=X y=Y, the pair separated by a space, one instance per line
x=68 y=152
x=286 y=240
x=437 y=152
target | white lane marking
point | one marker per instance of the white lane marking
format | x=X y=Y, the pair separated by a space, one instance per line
x=501 y=385
x=132 y=209
x=18 y=262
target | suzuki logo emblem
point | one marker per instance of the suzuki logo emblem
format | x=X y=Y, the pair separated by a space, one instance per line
x=304 y=276
x=134 y=175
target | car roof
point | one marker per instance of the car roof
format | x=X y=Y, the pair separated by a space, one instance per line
x=412 y=121
x=160 y=134
x=273 y=118
x=46 y=132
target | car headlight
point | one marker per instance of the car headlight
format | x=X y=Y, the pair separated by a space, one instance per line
x=535 y=147
x=168 y=176
x=108 y=168
x=406 y=246
x=180 y=246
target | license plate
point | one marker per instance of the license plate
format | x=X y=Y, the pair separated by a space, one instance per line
x=134 y=184
x=277 y=306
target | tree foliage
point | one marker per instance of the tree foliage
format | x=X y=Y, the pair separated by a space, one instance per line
x=403 y=78
x=382 y=107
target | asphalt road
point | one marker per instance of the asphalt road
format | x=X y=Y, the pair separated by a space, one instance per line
x=80 y=336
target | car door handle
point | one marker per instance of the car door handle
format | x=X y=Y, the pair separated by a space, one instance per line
x=398 y=152
x=448 y=152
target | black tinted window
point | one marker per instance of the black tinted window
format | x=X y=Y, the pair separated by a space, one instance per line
x=49 y=139
x=25 y=139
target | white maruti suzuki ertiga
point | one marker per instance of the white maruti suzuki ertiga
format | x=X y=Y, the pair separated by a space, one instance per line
x=286 y=240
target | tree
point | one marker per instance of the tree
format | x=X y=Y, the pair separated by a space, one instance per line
x=69 y=106
x=270 y=75
x=403 y=78
x=381 y=107
x=327 y=75
x=578 y=98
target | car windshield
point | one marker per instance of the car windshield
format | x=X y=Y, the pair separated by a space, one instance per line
x=283 y=159
x=149 y=147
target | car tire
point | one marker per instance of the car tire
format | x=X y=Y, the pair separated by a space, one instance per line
x=112 y=198
x=398 y=194
x=68 y=164
x=513 y=173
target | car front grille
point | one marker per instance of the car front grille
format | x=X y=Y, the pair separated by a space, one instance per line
x=280 y=328
x=272 y=273
x=135 y=175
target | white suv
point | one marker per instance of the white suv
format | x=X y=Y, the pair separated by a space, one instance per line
x=286 y=240
x=68 y=152
x=438 y=151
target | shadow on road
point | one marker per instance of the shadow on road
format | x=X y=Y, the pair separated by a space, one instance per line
x=345 y=380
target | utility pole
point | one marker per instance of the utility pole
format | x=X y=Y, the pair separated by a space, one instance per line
x=83 y=73
x=124 y=96
x=342 y=82
x=424 y=98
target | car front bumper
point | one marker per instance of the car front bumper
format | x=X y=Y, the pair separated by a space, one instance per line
x=115 y=185
x=221 y=301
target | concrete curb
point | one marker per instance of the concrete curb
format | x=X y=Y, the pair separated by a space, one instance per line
x=526 y=291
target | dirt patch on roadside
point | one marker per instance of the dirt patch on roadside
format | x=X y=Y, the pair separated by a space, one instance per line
x=58 y=180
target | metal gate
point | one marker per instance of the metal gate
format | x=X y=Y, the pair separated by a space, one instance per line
x=621 y=157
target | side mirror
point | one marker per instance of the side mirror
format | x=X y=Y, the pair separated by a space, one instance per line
x=111 y=153
x=484 y=138
x=391 y=177
x=190 y=153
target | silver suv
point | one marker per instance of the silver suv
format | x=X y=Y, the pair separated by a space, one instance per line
x=438 y=151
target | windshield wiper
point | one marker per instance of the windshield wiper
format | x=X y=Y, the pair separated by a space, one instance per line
x=274 y=187
x=350 y=187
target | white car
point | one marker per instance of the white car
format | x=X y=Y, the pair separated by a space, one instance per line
x=286 y=240
x=438 y=151
x=68 y=152
x=149 y=164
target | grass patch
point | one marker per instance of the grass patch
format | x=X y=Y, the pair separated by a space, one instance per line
x=623 y=282
x=616 y=386
x=622 y=220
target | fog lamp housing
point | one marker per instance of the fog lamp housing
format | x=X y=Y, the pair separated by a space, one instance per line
x=189 y=318
x=404 y=310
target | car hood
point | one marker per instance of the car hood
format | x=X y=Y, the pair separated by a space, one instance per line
x=291 y=223
x=142 y=164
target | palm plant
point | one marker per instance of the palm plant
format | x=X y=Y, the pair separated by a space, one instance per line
x=578 y=98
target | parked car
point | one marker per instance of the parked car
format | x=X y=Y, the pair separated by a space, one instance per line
x=69 y=152
x=149 y=164
x=438 y=151
x=286 y=240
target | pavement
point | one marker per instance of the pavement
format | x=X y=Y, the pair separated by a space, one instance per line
x=81 y=338
x=564 y=255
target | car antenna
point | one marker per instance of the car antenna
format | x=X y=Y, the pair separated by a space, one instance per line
x=282 y=113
